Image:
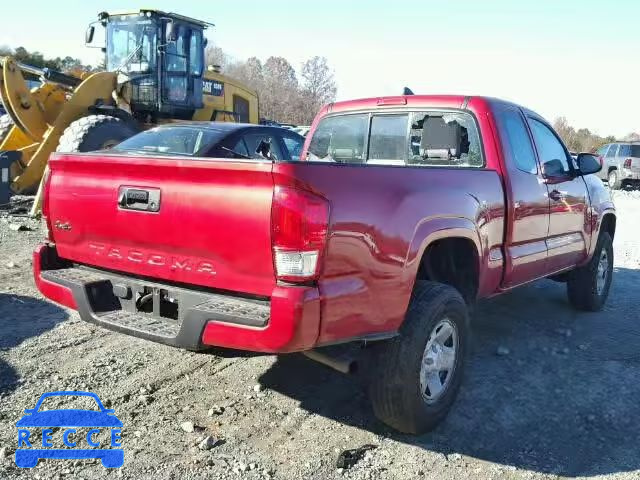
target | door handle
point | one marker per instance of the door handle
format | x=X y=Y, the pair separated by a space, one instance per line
x=556 y=195
x=141 y=199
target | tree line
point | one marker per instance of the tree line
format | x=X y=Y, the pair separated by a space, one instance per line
x=290 y=96
x=37 y=59
x=582 y=139
x=285 y=95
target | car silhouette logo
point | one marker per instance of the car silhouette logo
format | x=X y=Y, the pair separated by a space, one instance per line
x=67 y=422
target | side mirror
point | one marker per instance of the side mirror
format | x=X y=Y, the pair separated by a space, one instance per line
x=264 y=149
x=170 y=33
x=588 y=163
x=88 y=36
x=553 y=168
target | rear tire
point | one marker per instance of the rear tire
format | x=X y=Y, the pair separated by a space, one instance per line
x=6 y=124
x=407 y=388
x=614 y=180
x=588 y=286
x=94 y=132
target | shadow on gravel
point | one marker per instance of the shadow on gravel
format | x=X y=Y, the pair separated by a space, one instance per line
x=21 y=318
x=564 y=401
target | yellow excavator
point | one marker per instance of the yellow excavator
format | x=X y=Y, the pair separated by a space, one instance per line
x=155 y=73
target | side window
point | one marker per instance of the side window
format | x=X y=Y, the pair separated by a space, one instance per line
x=612 y=151
x=252 y=141
x=195 y=53
x=241 y=148
x=444 y=139
x=176 y=53
x=293 y=146
x=602 y=150
x=553 y=156
x=241 y=109
x=624 y=151
x=516 y=141
x=339 y=139
x=388 y=139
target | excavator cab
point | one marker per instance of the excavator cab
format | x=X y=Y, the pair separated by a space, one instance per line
x=159 y=59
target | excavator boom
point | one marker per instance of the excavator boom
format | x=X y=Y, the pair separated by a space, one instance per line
x=41 y=115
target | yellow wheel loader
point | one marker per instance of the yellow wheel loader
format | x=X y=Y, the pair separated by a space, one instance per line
x=155 y=73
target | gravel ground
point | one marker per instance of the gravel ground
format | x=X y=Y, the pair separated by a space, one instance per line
x=550 y=393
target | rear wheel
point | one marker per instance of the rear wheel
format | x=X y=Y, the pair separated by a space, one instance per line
x=417 y=375
x=614 y=180
x=6 y=123
x=588 y=286
x=94 y=132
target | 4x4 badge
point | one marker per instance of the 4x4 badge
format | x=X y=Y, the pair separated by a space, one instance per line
x=62 y=225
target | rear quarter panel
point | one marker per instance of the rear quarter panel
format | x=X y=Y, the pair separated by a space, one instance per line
x=381 y=221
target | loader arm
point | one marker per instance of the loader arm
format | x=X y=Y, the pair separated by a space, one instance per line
x=42 y=114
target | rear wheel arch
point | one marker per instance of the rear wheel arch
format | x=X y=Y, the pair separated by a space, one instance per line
x=608 y=224
x=452 y=260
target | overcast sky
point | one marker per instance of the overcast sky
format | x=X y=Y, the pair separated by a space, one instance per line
x=577 y=58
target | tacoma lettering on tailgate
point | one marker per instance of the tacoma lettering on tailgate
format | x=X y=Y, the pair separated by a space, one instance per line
x=138 y=256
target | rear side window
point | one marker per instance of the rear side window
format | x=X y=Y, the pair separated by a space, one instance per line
x=624 y=151
x=444 y=139
x=252 y=140
x=340 y=139
x=388 y=139
x=430 y=139
x=241 y=148
x=293 y=146
x=612 y=151
x=516 y=140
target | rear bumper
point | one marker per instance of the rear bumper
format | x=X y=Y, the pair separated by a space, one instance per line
x=630 y=174
x=288 y=321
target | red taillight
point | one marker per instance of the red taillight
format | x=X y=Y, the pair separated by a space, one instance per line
x=601 y=158
x=299 y=223
x=46 y=183
x=627 y=163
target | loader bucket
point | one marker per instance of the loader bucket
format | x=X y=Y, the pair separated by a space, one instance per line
x=41 y=115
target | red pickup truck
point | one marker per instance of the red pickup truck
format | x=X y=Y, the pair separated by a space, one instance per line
x=398 y=213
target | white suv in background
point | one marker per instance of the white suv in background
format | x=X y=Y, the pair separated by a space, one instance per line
x=621 y=164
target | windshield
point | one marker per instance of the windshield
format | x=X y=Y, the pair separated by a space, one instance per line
x=178 y=140
x=131 y=44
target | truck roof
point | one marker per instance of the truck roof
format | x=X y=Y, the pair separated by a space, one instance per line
x=416 y=101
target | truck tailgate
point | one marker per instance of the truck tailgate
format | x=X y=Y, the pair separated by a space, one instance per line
x=193 y=221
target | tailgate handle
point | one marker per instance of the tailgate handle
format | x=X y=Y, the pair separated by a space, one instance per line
x=141 y=199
